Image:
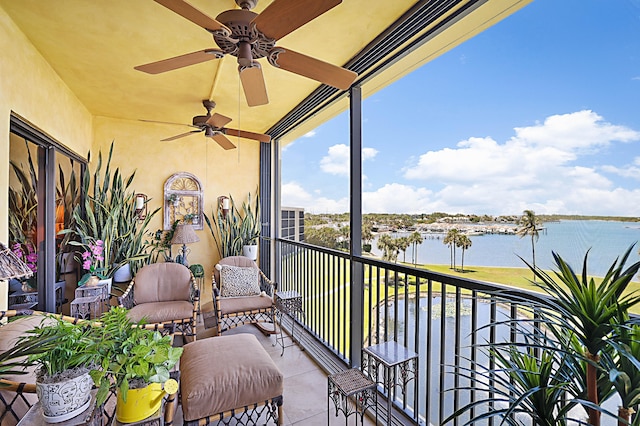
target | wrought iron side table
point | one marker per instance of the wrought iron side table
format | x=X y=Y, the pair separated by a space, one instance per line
x=352 y=393
x=290 y=303
x=391 y=365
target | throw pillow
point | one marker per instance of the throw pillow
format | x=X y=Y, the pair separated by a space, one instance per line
x=238 y=281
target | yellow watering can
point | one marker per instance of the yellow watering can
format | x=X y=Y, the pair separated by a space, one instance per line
x=142 y=403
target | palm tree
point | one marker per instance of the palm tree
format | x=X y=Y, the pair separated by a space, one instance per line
x=529 y=225
x=386 y=244
x=403 y=244
x=464 y=242
x=415 y=239
x=451 y=240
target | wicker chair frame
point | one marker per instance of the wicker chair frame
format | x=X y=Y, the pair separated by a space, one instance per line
x=256 y=316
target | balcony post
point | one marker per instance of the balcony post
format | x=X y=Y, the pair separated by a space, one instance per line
x=355 y=244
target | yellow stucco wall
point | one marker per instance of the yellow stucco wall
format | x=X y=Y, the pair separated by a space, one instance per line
x=138 y=147
x=30 y=88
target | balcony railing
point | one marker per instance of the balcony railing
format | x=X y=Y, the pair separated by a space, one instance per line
x=433 y=314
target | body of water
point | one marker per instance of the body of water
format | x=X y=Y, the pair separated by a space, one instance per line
x=570 y=239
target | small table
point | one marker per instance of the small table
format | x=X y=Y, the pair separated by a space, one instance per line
x=352 y=393
x=393 y=358
x=288 y=302
x=86 y=307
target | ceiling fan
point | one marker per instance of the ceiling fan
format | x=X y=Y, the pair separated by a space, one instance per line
x=250 y=36
x=213 y=127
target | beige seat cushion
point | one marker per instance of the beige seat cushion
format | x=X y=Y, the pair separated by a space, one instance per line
x=231 y=305
x=161 y=311
x=226 y=372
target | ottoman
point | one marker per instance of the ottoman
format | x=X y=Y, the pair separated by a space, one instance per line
x=229 y=376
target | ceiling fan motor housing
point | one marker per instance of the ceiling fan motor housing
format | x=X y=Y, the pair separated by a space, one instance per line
x=239 y=22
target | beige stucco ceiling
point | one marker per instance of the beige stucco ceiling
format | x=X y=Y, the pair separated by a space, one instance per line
x=94 y=45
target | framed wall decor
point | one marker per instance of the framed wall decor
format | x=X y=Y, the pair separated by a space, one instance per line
x=183 y=197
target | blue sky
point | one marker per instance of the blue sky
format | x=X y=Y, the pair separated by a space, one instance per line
x=541 y=111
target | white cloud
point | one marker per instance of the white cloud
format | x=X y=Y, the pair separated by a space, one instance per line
x=294 y=195
x=537 y=168
x=310 y=134
x=336 y=162
x=398 y=198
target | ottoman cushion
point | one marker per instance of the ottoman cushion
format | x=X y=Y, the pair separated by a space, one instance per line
x=222 y=373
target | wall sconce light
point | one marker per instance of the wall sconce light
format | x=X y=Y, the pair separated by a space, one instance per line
x=224 y=205
x=141 y=206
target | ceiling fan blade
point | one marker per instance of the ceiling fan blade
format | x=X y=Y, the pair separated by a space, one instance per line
x=223 y=141
x=180 y=61
x=313 y=68
x=169 y=122
x=194 y=15
x=182 y=135
x=253 y=85
x=284 y=16
x=248 y=135
x=218 y=120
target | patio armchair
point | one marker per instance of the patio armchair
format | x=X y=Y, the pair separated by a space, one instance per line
x=242 y=294
x=164 y=293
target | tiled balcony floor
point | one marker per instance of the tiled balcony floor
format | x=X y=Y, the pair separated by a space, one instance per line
x=305 y=383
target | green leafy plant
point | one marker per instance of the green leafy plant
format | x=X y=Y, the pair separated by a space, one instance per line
x=250 y=223
x=236 y=228
x=588 y=344
x=159 y=243
x=131 y=356
x=108 y=214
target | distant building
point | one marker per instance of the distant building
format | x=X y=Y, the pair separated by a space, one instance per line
x=292 y=226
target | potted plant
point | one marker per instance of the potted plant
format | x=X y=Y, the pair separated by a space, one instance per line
x=160 y=244
x=575 y=349
x=137 y=361
x=235 y=228
x=250 y=228
x=63 y=381
x=108 y=215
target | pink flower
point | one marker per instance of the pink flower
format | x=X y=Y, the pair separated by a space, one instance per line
x=86 y=264
x=86 y=255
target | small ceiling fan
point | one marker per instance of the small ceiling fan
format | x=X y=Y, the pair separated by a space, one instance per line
x=250 y=36
x=213 y=127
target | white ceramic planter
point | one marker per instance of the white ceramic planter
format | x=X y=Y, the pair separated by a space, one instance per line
x=250 y=251
x=64 y=400
x=122 y=274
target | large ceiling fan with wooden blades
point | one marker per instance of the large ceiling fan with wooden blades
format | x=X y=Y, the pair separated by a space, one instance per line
x=250 y=36
x=213 y=127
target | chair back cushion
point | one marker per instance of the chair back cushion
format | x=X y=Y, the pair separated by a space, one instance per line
x=162 y=282
x=240 y=261
x=239 y=280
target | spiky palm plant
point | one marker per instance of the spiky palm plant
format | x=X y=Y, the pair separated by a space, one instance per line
x=590 y=309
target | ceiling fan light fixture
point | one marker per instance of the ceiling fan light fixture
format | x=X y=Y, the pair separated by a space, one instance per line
x=209 y=132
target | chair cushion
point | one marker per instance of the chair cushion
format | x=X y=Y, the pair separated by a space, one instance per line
x=241 y=261
x=162 y=282
x=238 y=281
x=231 y=305
x=9 y=335
x=161 y=311
x=243 y=373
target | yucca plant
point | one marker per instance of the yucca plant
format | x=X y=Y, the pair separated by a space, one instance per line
x=590 y=309
x=588 y=349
